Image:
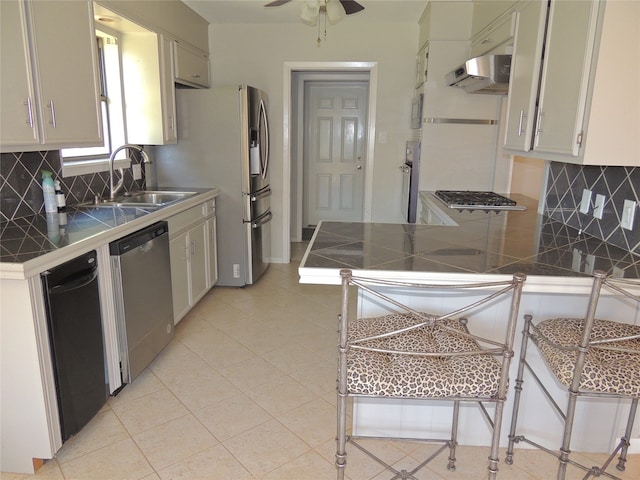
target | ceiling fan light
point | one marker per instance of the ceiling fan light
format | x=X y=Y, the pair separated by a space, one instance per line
x=335 y=12
x=310 y=12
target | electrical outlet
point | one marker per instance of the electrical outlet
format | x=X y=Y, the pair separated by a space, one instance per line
x=585 y=204
x=236 y=270
x=576 y=260
x=598 y=209
x=628 y=214
x=137 y=171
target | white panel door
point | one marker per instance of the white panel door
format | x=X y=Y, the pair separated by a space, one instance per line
x=334 y=167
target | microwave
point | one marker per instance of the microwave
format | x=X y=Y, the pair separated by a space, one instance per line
x=416 y=110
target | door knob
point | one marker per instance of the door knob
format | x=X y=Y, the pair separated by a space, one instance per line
x=359 y=167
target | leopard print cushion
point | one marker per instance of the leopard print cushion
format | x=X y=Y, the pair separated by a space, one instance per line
x=413 y=376
x=605 y=371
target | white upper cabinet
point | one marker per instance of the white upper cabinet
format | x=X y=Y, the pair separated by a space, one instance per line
x=17 y=93
x=496 y=37
x=51 y=98
x=588 y=90
x=485 y=12
x=148 y=88
x=525 y=70
x=191 y=66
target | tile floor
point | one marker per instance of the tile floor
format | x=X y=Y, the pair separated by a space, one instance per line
x=246 y=391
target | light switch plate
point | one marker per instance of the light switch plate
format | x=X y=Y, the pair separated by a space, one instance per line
x=585 y=204
x=598 y=210
x=628 y=214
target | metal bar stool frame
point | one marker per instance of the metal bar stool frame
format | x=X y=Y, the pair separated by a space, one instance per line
x=501 y=350
x=601 y=280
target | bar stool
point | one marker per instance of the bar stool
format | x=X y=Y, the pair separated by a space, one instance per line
x=591 y=358
x=410 y=354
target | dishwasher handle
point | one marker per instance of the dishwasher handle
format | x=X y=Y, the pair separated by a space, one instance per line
x=75 y=284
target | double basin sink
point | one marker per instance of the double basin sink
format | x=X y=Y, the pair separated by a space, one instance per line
x=145 y=198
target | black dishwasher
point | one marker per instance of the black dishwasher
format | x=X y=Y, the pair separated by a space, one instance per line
x=75 y=332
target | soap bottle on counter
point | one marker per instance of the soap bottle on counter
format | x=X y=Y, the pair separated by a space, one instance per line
x=49 y=192
x=61 y=201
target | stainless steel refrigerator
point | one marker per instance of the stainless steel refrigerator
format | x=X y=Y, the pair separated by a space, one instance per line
x=223 y=141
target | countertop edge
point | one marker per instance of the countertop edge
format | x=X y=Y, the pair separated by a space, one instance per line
x=533 y=284
x=22 y=271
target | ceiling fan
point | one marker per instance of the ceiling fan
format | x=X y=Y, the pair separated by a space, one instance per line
x=311 y=9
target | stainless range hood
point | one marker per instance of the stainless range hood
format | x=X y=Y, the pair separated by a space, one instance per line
x=485 y=74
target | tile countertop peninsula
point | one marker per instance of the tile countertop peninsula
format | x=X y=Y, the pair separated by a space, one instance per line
x=478 y=246
x=31 y=245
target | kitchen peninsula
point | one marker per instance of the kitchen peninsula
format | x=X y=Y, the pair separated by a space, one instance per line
x=479 y=246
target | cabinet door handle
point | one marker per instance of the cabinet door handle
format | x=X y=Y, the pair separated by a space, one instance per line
x=53 y=113
x=485 y=41
x=193 y=248
x=539 y=123
x=523 y=116
x=195 y=75
x=27 y=103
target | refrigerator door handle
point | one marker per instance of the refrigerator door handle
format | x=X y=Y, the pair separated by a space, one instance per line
x=263 y=116
x=266 y=218
x=264 y=193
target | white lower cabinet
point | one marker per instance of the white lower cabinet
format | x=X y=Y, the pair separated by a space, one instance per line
x=193 y=254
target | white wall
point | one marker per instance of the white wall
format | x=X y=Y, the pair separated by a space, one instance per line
x=255 y=54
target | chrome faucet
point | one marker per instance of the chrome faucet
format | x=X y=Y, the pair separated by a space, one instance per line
x=114 y=189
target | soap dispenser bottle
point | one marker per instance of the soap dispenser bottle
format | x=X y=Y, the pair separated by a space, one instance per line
x=61 y=201
x=49 y=192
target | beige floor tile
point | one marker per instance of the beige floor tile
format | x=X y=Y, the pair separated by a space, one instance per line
x=198 y=394
x=314 y=422
x=319 y=377
x=215 y=463
x=122 y=460
x=103 y=429
x=174 y=441
x=281 y=395
x=143 y=385
x=293 y=358
x=177 y=364
x=265 y=447
x=216 y=348
x=309 y=466
x=251 y=373
x=147 y=412
x=232 y=417
x=262 y=338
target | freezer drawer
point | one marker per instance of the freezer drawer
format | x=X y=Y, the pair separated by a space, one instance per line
x=258 y=234
x=259 y=203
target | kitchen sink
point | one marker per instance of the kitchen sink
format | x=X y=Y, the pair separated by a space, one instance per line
x=145 y=198
x=149 y=197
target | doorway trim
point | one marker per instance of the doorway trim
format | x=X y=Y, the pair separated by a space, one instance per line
x=289 y=116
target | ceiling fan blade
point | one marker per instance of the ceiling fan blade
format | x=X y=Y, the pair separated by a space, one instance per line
x=277 y=3
x=351 y=6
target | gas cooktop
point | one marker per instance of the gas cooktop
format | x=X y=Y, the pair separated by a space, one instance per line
x=474 y=200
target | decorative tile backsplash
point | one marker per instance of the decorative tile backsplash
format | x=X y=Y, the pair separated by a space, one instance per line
x=564 y=195
x=21 y=182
